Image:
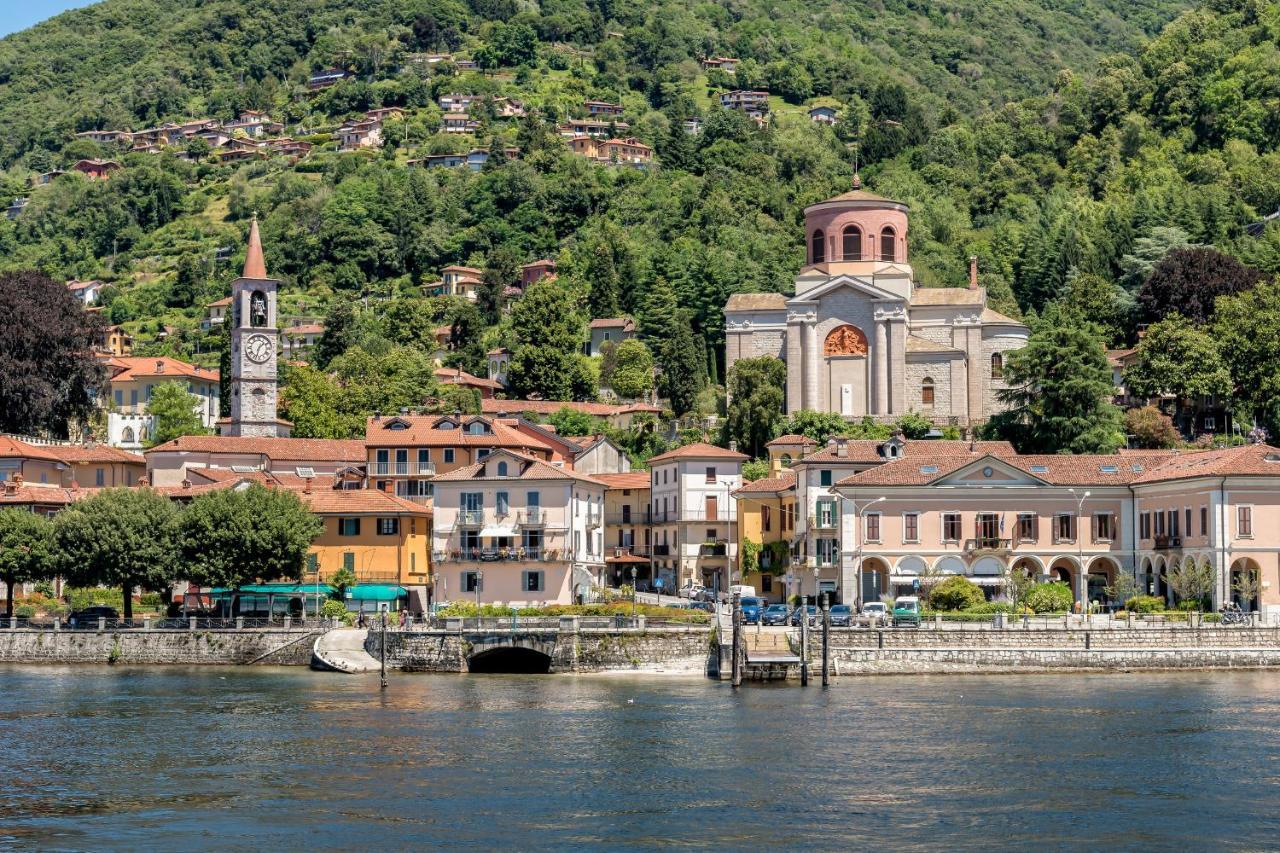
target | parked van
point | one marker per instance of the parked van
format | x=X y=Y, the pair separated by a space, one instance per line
x=742 y=591
x=906 y=611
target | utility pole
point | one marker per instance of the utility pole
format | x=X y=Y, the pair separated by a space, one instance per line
x=383 y=644
x=804 y=643
x=736 y=620
x=826 y=631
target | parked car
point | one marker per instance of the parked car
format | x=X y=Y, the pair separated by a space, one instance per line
x=751 y=609
x=89 y=616
x=841 y=616
x=811 y=613
x=692 y=589
x=875 y=610
x=906 y=612
x=742 y=590
x=705 y=606
x=775 y=614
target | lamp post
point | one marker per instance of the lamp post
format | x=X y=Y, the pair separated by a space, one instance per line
x=857 y=513
x=633 y=592
x=1084 y=577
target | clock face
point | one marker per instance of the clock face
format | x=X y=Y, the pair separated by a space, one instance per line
x=258 y=348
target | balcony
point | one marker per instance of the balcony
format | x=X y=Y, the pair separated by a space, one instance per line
x=713 y=549
x=502 y=555
x=988 y=545
x=471 y=518
x=531 y=517
x=1165 y=542
x=824 y=522
x=634 y=519
x=423 y=500
x=662 y=550
x=404 y=469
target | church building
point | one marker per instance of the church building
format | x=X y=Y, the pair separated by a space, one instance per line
x=860 y=337
x=255 y=334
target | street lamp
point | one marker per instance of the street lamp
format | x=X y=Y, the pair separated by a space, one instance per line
x=633 y=592
x=859 y=533
x=1084 y=577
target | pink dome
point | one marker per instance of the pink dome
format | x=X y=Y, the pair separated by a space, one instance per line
x=855 y=226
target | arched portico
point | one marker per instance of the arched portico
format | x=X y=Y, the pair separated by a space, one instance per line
x=1246 y=584
x=875 y=578
x=1102 y=577
x=1066 y=570
x=949 y=566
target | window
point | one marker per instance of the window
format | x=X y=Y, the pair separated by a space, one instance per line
x=1064 y=528
x=851 y=243
x=1027 y=531
x=1210 y=423
x=1204 y=521
x=819 y=250
x=470 y=581
x=828 y=550
x=712 y=508
x=502 y=469
x=424 y=459
x=711 y=473
x=532 y=582
x=1144 y=525
x=448 y=455
x=911 y=527
x=133 y=397
x=119 y=397
x=313 y=563
x=997 y=366
x=766 y=518
x=1104 y=527
x=348 y=527
x=826 y=513
x=349 y=560
x=766 y=582
x=388 y=527
x=824 y=477
x=1173 y=523
x=951 y=527
x=873 y=526
x=888 y=241
x=987 y=528
x=1244 y=522
x=99 y=477
x=482 y=453
x=1187 y=514
x=926 y=392
x=503 y=503
x=1159 y=517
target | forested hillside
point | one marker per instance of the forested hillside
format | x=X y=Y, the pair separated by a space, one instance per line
x=1068 y=173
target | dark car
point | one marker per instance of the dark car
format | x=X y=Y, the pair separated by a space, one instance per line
x=810 y=610
x=775 y=614
x=706 y=606
x=841 y=616
x=751 y=610
x=88 y=617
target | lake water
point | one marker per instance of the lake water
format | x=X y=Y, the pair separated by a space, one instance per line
x=131 y=758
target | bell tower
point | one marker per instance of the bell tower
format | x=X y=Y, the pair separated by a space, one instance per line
x=254 y=337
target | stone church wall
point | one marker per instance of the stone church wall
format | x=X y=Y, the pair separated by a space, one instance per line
x=939 y=370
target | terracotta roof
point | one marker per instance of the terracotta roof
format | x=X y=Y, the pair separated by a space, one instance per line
x=226 y=300
x=1057 y=469
x=613 y=323
x=635 y=408
x=321 y=500
x=12 y=448
x=864 y=450
x=455 y=268
x=75 y=285
x=41 y=495
x=791 y=440
x=756 y=302
x=283 y=449
x=629 y=480
x=995 y=318
x=254 y=266
x=769 y=485
x=457 y=376
x=1250 y=460
x=700 y=450
x=930 y=296
x=1118 y=357
x=531 y=469
x=857 y=195
x=308 y=329
x=421 y=431
x=918 y=344
x=75 y=453
x=138 y=367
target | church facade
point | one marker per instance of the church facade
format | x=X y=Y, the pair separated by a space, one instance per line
x=859 y=337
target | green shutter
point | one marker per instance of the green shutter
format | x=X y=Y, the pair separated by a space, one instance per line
x=349 y=561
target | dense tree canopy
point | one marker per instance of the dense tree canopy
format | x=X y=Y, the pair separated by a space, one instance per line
x=757 y=399
x=26 y=550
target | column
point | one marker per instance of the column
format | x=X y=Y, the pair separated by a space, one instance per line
x=881 y=356
x=812 y=400
x=898 y=366
x=795 y=366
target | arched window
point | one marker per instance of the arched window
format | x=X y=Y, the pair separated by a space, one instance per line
x=502 y=469
x=926 y=392
x=786 y=460
x=997 y=365
x=126 y=437
x=888 y=245
x=819 y=243
x=851 y=243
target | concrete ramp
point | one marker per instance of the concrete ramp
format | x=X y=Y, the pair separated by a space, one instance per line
x=342 y=650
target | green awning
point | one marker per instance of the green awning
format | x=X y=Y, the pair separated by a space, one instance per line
x=376 y=592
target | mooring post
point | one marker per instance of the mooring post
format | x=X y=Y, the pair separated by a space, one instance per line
x=804 y=644
x=826 y=638
x=736 y=621
x=383 y=655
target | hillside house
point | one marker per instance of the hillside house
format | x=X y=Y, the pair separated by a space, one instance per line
x=750 y=102
x=325 y=79
x=457 y=103
x=45 y=178
x=456 y=281
x=692 y=126
x=823 y=115
x=15 y=208
x=114 y=340
x=133 y=379
x=354 y=135
x=727 y=64
x=533 y=272
x=458 y=122
x=296 y=341
x=85 y=291
x=107 y=137
x=508 y=108
x=499 y=363
x=594 y=128
x=613 y=330
x=602 y=109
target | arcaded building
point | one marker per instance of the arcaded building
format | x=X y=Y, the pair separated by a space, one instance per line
x=860 y=337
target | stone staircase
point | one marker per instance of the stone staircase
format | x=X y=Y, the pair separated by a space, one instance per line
x=342 y=650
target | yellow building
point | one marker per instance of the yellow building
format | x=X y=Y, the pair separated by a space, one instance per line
x=767 y=518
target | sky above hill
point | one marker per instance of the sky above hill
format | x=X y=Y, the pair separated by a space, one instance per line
x=17 y=15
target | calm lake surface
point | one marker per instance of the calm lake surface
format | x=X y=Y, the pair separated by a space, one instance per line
x=146 y=758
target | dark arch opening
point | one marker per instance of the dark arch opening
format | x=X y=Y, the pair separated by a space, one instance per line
x=512 y=659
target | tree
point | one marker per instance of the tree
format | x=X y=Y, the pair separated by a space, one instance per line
x=48 y=374
x=1123 y=587
x=313 y=402
x=547 y=359
x=757 y=398
x=119 y=537
x=1189 y=280
x=1151 y=428
x=187 y=283
x=1175 y=357
x=458 y=398
x=1059 y=390
x=676 y=150
x=755 y=469
x=231 y=537
x=1247 y=329
x=632 y=375
x=819 y=426
x=176 y=412
x=955 y=593
x=339 y=333
x=26 y=550
x=1109 y=306
x=1018 y=582
x=684 y=367
x=1247 y=585
x=1192 y=581
x=569 y=421
x=914 y=425
x=501 y=270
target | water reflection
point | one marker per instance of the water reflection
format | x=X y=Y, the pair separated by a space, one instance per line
x=165 y=757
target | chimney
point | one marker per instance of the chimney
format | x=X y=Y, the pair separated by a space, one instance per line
x=186 y=482
x=842 y=447
x=973 y=272
x=831 y=444
x=143 y=481
x=18 y=479
x=404 y=410
x=306 y=486
x=75 y=486
x=10 y=487
x=159 y=366
x=377 y=416
x=733 y=445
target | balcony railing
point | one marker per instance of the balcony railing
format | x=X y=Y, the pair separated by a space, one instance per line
x=502 y=555
x=821 y=522
x=636 y=518
x=424 y=500
x=532 y=517
x=471 y=518
x=404 y=469
x=1166 y=541
x=632 y=550
x=713 y=549
x=662 y=550
x=987 y=544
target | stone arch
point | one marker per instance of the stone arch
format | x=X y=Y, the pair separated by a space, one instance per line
x=1067 y=570
x=875 y=578
x=988 y=566
x=1241 y=570
x=949 y=565
x=1029 y=563
x=818 y=247
x=851 y=243
x=258 y=317
x=888 y=244
x=911 y=566
x=845 y=339
x=514 y=659
x=1102 y=574
x=126 y=437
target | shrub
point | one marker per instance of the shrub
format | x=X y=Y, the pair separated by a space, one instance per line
x=1052 y=597
x=24 y=611
x=1145 y=604
x=990 y=607
x=333 y=609
x=955 y=593
x=150 y=600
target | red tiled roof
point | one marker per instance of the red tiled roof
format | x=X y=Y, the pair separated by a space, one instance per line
x=921 y=468
x=308 y=329
x=457 y=376
x=769 y=485
x=421 y=431
x=790 y=440
x=320 y=500
x=700 y=450
x=138 y=367
x=218 y=303
x=1250 y=460
x=868 y=450
x=613 y=323
x=41 y=495
x=284 y=449
x=532 y=469
x=629 y=480
x=83 y=454
x=12 y=448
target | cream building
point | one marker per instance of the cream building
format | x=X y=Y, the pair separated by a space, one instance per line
x=860 y=337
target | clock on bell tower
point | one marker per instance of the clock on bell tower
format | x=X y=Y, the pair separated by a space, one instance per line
x=254 y=334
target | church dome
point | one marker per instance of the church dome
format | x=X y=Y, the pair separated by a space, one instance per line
x=854 y=227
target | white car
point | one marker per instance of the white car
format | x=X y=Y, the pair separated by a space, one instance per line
x=692 y=589
x=875 y=609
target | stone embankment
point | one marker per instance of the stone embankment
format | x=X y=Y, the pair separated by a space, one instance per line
x=268 y=647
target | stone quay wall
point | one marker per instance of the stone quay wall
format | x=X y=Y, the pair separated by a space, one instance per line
x=656 y=649
x=927 y=650
x=226 y=647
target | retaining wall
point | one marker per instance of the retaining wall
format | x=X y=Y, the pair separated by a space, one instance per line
x=280 y=647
